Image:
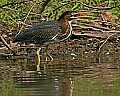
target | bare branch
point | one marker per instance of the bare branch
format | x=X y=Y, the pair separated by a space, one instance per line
x=98 y=8
x=43 y=6
x=5 y=43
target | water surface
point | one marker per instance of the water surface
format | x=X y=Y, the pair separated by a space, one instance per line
x=65 y=76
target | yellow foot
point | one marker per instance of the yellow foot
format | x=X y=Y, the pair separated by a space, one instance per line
x=38 y=65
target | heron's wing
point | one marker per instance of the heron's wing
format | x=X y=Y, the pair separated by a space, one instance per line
x=39 y=33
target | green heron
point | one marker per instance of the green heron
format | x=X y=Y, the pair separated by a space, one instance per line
x=47 y=32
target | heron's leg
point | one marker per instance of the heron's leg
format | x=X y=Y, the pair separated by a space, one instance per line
x=48 y=54
x=38 y=55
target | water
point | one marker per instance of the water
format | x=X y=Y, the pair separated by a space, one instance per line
x=65 y=76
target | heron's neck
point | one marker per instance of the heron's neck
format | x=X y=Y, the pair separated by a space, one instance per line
x=66 y=32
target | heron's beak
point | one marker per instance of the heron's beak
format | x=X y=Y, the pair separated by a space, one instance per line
x=80 y=15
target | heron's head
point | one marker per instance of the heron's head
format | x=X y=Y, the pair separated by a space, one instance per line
x=65 y=16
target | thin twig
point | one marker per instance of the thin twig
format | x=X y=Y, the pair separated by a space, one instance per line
x=105 y=42
x=27 y=16
x=20 y=22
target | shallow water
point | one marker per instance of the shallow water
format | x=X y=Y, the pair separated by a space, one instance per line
x=64 y=76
